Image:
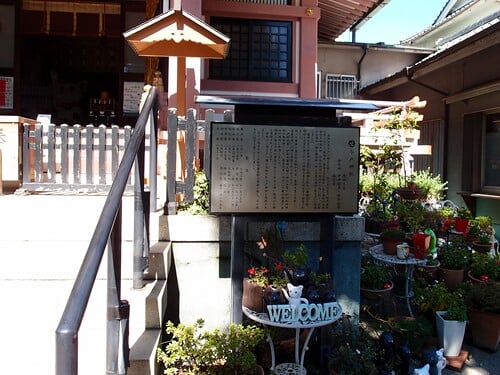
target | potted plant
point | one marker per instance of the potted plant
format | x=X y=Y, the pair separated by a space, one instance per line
x=461 y=219
x=450 y=325
x=483 y=243
x=483 y=302
x=453 y=259
x=484 y=267
x=390 y=239
x=192 y=350
x=375 y=280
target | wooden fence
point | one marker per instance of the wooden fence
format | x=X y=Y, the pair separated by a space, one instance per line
x=86 y=158
x=72 y=157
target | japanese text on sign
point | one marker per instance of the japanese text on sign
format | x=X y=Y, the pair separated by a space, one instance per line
x=264 y=168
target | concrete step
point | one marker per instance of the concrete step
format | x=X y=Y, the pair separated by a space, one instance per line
x=43 y=239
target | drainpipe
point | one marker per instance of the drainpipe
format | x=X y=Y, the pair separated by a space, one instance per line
x=365 y=49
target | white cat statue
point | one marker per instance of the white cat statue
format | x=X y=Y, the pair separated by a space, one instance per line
x=441 y=364
x=422 y=370
x=293 y=295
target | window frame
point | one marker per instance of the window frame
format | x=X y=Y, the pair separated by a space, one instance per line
x=252 y=53
x=337 y=80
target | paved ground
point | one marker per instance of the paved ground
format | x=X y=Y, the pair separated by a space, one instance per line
x=42 y=242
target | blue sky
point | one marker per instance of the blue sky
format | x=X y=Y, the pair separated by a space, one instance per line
x=397 y=21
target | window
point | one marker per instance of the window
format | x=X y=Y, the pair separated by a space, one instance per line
x=259 y=51
x=481 y=164
x=491 y=161
x=341 y=86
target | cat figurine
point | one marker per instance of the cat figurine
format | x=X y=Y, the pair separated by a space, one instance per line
x=293 y=294
x=422 y=371
x=441 y=363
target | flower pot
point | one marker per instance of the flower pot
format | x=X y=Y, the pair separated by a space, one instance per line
x=450 y=334
x=461 y=224
x=473 y=279
x=451 y=278
x=429 y=272
x=421 y=243
x=376 y=294
x=410 y=193
x=481 y=248
x=390 y=245
x=485 y=329
x=253 y=296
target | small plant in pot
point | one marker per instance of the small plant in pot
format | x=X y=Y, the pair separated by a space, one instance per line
x=390 y=239
x=461 y=219
x=453 y=259
x=376 y=280
x=450 y=324
x=483 y=301
x=484 y=267
x=193 y=350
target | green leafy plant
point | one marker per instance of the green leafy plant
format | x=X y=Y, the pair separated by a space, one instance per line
x=259 y=276
x=411 y=215
x=375 y=276
x=485 y=297
x=463 y=213
x=485 y=267
x=437 y=297
x=193 y=350
x=354 y=351
x=454 y=257
x=433 y=187
x=201 y=199
x=394 y=234
x=297 y=257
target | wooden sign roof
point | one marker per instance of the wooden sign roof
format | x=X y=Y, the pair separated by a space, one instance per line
x=177 y=33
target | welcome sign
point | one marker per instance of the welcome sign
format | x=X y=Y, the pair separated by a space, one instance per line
x=313 y=312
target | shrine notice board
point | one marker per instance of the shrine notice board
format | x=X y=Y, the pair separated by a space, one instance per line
x=283 y=169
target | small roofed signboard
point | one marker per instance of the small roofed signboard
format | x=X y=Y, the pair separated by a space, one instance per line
x=283 y=169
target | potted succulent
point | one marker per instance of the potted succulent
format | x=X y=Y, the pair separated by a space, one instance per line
x=192 y=350
x=483 y=301
x=484 y=267
x=453 y=259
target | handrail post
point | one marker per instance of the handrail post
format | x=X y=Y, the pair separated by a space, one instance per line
x=138 y=261
x=153 y=156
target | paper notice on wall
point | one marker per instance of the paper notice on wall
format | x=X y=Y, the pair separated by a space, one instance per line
x=132 y=92
x=6 y=92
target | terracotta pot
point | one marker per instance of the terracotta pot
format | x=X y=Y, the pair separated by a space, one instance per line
x=390 y=245
x=376 y=294
x=485 y=329
x=253 y=296
x=429 y=272
x=451 y=278
x=473 y=279
x=481 y=248
x=377 y=226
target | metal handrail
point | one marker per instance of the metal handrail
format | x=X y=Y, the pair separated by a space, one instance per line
x=108 y=233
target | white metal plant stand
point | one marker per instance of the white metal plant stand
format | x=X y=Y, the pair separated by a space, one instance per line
x=298 y=366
